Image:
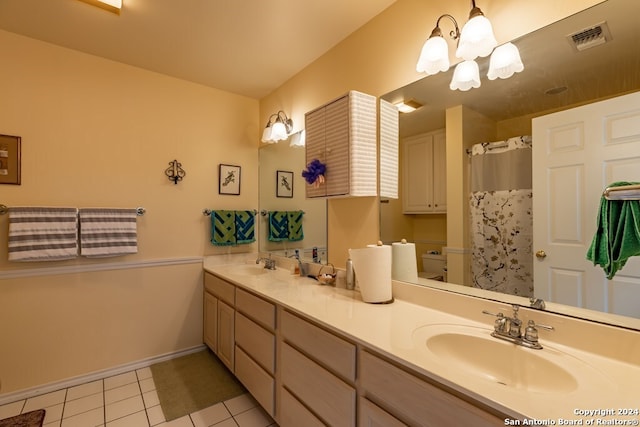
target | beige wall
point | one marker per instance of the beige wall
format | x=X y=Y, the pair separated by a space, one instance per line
x=380 y=57
x=99 y=133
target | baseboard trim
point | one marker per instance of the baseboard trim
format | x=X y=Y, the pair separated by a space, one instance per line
x=94 y=376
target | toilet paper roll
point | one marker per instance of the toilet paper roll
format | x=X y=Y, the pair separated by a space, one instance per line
x=372 y=266
x=403 y=262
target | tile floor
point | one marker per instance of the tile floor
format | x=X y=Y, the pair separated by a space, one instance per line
x=130 y=400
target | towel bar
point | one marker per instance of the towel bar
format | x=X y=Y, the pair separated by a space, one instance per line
x=207 y=212
x=623 y=192
x=139 y=210
x=265 y=212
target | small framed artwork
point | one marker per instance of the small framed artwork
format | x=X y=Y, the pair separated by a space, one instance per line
x=284 y=184
x=10 y=159
x=229 y=179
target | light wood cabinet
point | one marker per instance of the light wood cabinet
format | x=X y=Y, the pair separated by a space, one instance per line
x=415 y=401
x=218 y=328
x=342 y=134
x=371 y=415
x=424 y=173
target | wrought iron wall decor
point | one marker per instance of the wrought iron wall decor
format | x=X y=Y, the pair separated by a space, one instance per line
x=175 y=172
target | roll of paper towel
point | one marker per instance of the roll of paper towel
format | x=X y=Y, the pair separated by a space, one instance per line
x=372 y=266
x=403 y=261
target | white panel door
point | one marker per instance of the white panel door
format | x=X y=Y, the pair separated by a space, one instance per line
x=576 y=154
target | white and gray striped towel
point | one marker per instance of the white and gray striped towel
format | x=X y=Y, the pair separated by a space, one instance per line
x=43 y=233
x=106 y=232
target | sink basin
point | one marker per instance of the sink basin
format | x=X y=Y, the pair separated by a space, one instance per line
x=250 y=270
x=472 y=351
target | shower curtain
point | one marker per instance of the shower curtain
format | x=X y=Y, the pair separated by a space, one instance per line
x=501 y=216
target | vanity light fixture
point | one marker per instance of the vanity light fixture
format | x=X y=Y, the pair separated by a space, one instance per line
x=475 y=40
x=298 y=139
x=278 y=128
x=110 y=5
x=408 y=106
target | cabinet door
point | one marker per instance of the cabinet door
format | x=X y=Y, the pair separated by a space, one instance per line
x=337 y=147
x=417 y=173
x=314 y=146
x=211 y=321
x=370 y=415
x=225 y=334
x=439 y=160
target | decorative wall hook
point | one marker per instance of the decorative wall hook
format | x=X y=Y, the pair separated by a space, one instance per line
x=175 y=172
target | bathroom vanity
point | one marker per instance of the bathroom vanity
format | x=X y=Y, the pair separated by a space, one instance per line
x=317 y=355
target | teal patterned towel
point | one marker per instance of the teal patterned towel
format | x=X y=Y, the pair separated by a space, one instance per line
x=278 y=226
x=245 y=227
x=295 y=225
x=223 y=228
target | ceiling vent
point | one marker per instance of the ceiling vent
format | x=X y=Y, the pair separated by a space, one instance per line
x=590 y=37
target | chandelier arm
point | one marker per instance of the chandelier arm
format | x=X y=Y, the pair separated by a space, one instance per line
x=454 y=34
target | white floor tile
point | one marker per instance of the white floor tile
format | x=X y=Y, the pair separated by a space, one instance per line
x=255 y=417
x=11 y=409
x=143 y=373
x=151 y=399
x=120 y=380
x=123 y=408
x=92 y=418
x=121 y=393
x=44 y=400
x=84 y=390
x=240 y=403
x=180 y=422
x=226 y=423
x=211 y=415
x=147 y=384
x=53 y=424
x=155 y=415
x=139 y=419
x=84 y=404
x=53 y=413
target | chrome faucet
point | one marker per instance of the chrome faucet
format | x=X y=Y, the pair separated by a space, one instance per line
x=269 y=263
x=510 y=329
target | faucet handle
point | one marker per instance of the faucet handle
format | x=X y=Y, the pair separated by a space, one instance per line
x=531 y=331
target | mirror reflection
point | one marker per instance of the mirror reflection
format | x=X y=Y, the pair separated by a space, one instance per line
x=558 y=76
x=289 y=221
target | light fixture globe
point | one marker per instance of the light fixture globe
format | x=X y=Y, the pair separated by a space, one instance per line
x=476 y=37
x=505 y=62
x=266 y=135
x=434 y=56
x=465 y=76
x=278 y=131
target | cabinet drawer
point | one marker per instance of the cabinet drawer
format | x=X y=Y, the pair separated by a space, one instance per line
x=330 y=398
x=326 y=348
x=416 y=401
x=256 y=341
x=256 y=308
x=294 y=414
x=260 y=384
x=220 y=288
x=371 y=415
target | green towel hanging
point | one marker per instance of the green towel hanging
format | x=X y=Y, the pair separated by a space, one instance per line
x=278 y=226
x=245 y=227
x=294 y=219
x=617 y=237
x=223 y=228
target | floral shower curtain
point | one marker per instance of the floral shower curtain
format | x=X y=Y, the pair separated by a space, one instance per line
x=501 y=216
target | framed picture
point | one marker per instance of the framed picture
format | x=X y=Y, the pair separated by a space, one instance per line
x=284 y=184
x=10 y=159
x=229 y=180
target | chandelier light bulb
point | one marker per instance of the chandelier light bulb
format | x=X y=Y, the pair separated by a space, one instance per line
x=476 y=38
x=434 y=56
x=505 y=62
x=465 y=76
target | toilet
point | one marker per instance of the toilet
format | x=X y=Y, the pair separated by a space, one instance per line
x=433 y=266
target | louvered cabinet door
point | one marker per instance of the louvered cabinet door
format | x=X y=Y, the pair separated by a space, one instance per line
x=315 y=146
x=337 y=147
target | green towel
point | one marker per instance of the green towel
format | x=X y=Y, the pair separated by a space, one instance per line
x=278 y=226
x=223 y=228
x=294 y=219
x=617 y=237
x=245 y=227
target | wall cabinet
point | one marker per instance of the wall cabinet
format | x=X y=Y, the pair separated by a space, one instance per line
x=424 y=173
x=342 y=134
x=219 y=322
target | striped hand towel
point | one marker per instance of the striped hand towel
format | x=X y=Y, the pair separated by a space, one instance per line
x=106 y=232
x=294 y=218
x=278 y=226
x=223 y=228
x=43 y=233
x=245 y=227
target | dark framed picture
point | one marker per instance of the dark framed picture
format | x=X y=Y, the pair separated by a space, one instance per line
x=10 y=159
x=229 y=179
x=284 y=184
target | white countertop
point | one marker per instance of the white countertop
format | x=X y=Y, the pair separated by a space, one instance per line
x=396 y=331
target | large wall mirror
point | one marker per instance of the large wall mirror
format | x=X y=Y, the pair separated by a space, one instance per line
x=282 y=191
x=557 y=77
